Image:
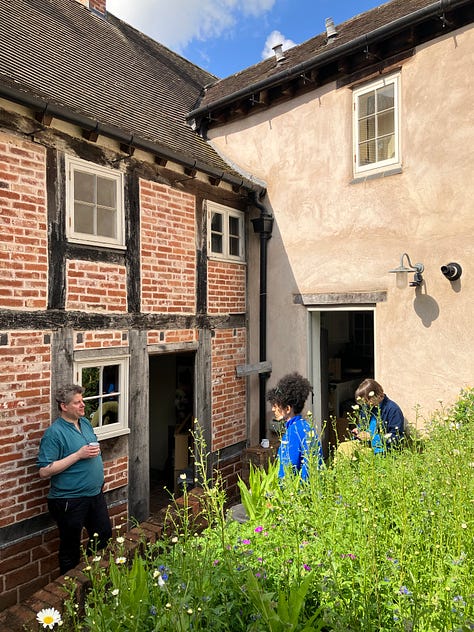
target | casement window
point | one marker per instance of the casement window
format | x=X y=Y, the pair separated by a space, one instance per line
x=105 y=382
x=376 y=111
x=94 y=207
x=226 y=232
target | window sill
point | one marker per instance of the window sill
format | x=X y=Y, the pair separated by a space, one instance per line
x=110 y=434
x=225 y=259
x=375 y=176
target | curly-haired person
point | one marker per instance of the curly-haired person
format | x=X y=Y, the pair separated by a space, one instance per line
x=300 y=438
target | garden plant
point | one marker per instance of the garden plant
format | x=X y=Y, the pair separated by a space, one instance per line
x=370 y=543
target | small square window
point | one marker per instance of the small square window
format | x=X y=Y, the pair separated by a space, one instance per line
x=95 y=211
x=226 y=232
x=105 y=394
x=376 y=126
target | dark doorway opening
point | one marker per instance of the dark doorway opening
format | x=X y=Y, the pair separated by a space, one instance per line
x=170 y=423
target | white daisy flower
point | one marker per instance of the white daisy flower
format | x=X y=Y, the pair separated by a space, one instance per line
x=49 y=617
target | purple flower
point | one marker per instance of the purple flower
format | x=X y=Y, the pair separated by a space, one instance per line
x=245 y=541
x=306 y=567
x=350 y=555
x=215 y=562
x=404 y=591
x=258 y=529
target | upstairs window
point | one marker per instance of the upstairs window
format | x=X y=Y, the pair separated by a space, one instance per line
x=104 y=381
x=226 y=232
x=95 y=212
x=376 y=126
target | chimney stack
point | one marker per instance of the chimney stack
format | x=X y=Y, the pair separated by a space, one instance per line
x=98 y=6
x=331 y=31
x=278 y=50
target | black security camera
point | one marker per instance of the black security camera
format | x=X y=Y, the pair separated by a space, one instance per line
x=452 y=271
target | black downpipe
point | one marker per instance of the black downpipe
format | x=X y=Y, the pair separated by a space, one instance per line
x=263 y=225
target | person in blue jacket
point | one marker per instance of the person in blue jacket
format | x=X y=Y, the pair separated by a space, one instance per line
x=299 y=438
x=69 y=456
x=381 y=419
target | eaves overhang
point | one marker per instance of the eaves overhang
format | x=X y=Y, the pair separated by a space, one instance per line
x=309 y=73
x=129 y=142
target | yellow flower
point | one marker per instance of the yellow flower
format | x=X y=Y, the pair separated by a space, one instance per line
x=48 y=617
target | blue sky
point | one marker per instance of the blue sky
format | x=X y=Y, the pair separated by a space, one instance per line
x=225 y=36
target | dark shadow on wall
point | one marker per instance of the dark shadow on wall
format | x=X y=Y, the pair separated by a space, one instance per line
x=425 y=306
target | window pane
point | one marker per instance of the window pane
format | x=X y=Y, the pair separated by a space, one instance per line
x=110 y=408
x=216 y=243
x=106 y=224
x=234 y=246
x=385 y=123
x=84 y=186
x=216 y=222
x=111 y=379
x=90 y=381
x=366 y=104
x=385 y=98
x=367 y=153
x=386 y=147
x=367 y=128
x=234 y=226
x=106 y=192
x=84 y=218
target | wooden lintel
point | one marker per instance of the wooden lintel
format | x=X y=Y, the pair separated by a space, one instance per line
x=250 y=369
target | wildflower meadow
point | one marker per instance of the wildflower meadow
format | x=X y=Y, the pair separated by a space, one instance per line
x=370 y=543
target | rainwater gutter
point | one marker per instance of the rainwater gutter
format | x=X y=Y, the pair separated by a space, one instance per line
x=263 y=225
x=130 y=140
x=331 y=54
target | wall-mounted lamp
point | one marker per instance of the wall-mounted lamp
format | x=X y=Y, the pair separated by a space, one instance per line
x=402 y=271
x=452 y=271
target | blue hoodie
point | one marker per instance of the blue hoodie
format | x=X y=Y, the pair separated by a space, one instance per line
x=385 y=419
x=298 y=441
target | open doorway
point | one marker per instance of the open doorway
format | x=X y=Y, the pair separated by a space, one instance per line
x=171 y=417
x=343 y=355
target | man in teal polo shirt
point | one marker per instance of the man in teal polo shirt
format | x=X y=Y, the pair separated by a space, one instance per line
x=69 y=456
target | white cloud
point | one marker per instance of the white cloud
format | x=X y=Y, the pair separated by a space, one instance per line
x=274 y=39
x=175 y=23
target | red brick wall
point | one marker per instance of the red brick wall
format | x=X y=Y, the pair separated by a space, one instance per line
x=23 y=230
x=116 y=473
x=24 y=415
x=96 y=287
x=100 y=339
x=226 y=287
x=228 y=391
x=28 y=565
x=172 y=336
x=168 y=249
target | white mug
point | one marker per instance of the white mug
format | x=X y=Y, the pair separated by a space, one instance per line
x=265 y=443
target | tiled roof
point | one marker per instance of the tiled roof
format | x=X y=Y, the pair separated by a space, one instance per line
x=369 y=24
x=102 y=69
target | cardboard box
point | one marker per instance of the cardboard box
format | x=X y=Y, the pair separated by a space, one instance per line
x=181 y=451
x=334 y=368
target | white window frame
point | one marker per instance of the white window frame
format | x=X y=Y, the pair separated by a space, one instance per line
x=395 y=160
x=76 y=164
x=226 y=212
x=121 y=389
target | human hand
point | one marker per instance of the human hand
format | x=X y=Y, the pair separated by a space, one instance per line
x=89 y=451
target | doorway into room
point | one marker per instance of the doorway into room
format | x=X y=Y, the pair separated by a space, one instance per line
x=342 y=355
x=171 y=417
